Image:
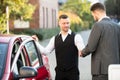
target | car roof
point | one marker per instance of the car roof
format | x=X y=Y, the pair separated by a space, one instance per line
x=5 y=38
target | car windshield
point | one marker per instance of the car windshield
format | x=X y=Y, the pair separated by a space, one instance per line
x=3 y=52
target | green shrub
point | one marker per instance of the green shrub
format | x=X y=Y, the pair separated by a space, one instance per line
x=45 y=33
x=41 y=33
x=48 y=33
x=28 y=32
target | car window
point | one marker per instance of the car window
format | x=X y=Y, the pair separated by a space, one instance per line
x=39 y=52
x=3 y=53
x=21 y=58
x=19 y=63
x=14 y=50
x=32 y=53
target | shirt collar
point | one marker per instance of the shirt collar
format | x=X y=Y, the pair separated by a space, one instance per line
x=102 y=18
x=69 y=32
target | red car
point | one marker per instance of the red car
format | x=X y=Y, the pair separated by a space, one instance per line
x=20 y=58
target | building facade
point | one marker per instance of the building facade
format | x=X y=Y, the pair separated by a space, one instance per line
x=48 y=13
x=45 y=16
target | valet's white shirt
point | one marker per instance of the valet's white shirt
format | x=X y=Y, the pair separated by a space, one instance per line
x=50 y=47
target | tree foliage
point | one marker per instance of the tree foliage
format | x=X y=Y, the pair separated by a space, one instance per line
x=18 y=9
x=80 y=8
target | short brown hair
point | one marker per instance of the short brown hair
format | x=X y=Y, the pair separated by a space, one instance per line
x=97 y=6
x=63 y=16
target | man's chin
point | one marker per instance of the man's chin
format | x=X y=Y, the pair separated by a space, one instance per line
x=66 y=30
x=96 y=20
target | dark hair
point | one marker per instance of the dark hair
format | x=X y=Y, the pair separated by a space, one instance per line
x=98 y=6
x=63 y=16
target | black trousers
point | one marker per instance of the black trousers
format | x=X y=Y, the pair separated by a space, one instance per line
x=72 y=74
x=100 y=77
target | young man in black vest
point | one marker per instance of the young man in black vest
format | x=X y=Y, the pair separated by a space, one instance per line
x=68 y=46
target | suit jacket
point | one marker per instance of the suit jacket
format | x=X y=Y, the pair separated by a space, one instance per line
x=104 y=44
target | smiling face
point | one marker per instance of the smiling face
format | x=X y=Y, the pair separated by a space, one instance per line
x=64 y=24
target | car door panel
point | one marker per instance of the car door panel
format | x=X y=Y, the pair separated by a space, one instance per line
x=35 y=60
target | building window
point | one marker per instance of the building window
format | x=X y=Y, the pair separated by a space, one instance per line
x=43 y=17
x=46 y=17
x=53 y=18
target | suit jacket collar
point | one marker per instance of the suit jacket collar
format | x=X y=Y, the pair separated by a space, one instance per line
x=105 y=17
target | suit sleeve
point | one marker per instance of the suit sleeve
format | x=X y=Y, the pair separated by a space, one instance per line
x=93 y=40
x=119 y=41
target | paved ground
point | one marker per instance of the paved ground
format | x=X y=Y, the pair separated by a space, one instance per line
x=84 y=63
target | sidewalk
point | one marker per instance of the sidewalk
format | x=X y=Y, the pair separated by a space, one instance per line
x=85 y=63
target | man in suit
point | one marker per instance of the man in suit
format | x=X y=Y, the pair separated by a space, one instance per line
x=103 y=43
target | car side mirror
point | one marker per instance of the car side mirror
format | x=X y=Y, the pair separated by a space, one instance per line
x=27 y=72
